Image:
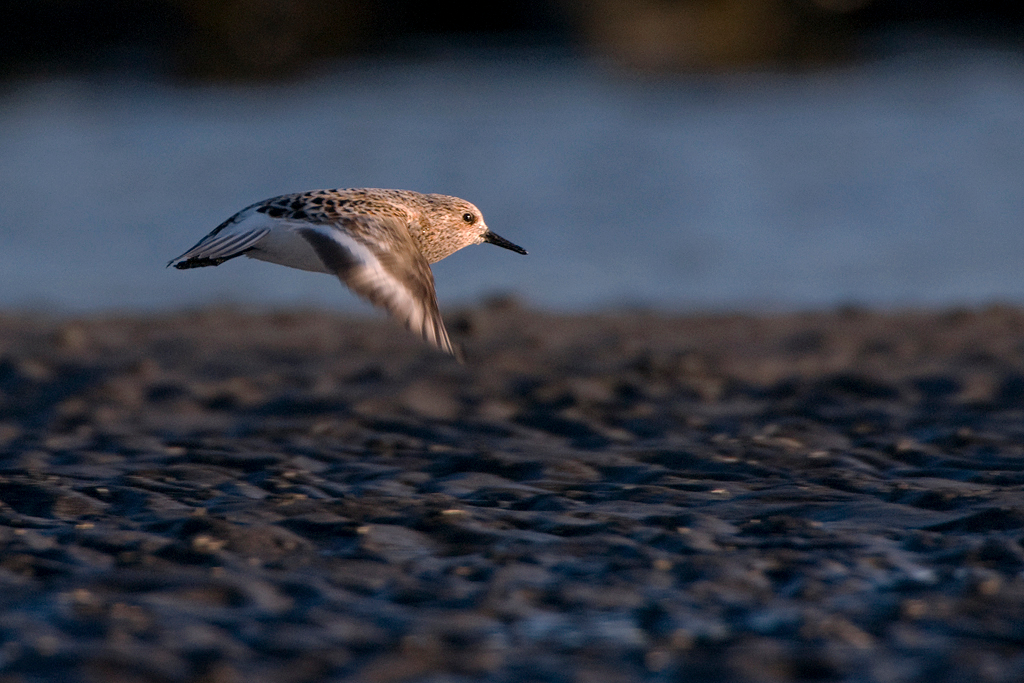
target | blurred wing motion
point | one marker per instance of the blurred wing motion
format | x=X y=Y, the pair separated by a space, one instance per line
x=378 y=260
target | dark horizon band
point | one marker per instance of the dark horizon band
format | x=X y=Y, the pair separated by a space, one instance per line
x=492 y=238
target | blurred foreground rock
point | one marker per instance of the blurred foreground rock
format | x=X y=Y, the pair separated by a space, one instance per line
x=220 y=496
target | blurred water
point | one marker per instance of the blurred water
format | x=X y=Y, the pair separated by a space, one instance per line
x=898 y=182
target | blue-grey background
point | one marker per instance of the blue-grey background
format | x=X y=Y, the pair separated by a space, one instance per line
x=889 y=181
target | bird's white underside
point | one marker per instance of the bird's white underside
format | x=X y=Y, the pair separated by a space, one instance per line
x=278 y=240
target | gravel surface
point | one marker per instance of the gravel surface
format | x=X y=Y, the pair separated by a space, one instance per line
x=224 y=497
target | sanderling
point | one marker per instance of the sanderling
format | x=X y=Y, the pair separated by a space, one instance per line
x=378 y=242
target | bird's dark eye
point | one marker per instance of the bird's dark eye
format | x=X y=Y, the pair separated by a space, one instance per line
x=469 y=218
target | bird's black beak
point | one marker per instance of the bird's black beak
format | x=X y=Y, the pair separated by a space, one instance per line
x=491 y=238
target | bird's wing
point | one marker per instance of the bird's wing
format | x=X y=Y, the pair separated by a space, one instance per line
x=377 y=259
x=216 y=248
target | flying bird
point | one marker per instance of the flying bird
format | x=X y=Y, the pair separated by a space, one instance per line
x=379 y=243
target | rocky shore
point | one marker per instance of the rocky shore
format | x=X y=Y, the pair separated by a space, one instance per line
x=223 y=496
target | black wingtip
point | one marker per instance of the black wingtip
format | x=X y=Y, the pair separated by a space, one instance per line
x=196 y=263
x=459 y=354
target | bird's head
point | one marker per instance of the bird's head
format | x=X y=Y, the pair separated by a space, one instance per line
x=457 y=223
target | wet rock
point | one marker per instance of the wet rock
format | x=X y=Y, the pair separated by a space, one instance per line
x=227 y=497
